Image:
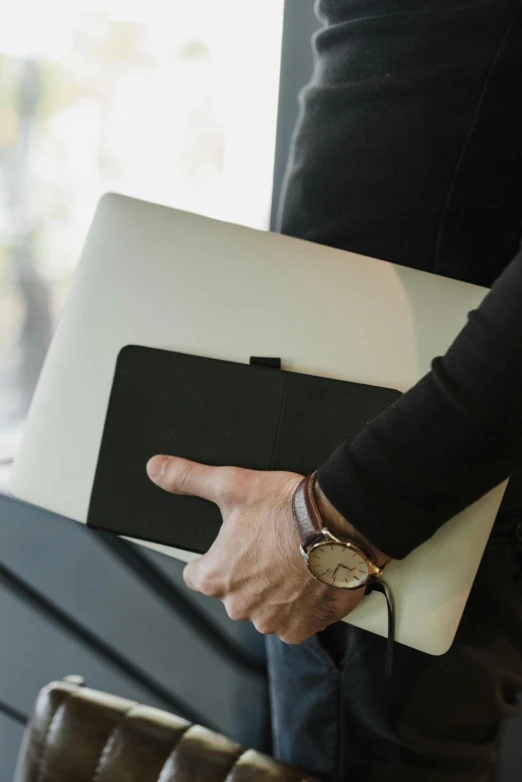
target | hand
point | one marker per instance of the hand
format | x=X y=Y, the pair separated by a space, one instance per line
x=255 y=565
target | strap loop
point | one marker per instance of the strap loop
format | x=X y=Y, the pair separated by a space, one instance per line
x=378 y=586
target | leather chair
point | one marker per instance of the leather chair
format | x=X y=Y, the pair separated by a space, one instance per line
x=81 y=735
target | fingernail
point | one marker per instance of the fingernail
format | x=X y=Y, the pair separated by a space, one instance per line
x=156 y=466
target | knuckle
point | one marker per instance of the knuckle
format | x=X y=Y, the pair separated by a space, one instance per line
x=291 y=639
x=294 y=637
x=209 y=584
x=264 y=627
x=236 y=611
x=181 y=475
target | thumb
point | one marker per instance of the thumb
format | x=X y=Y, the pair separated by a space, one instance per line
x=183 y=476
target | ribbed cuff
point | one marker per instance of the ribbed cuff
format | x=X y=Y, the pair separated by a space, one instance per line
x=392 y=526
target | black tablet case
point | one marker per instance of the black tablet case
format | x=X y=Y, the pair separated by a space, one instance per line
x=219 y=413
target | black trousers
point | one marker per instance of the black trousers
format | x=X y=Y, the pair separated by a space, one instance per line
x=437 y=719
x=409 y=148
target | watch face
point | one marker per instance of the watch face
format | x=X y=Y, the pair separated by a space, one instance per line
x=338 y=565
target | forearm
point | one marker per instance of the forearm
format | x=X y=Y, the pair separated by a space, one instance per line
x=410 y=152
x=450 y=439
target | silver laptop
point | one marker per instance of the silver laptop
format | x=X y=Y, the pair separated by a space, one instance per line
x=161 y=278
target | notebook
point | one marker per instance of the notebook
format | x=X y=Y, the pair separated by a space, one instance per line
x=219 y=413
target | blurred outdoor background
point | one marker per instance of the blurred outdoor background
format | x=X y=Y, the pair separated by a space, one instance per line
x=173 y=102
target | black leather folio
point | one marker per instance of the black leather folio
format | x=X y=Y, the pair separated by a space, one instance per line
x=219 y=413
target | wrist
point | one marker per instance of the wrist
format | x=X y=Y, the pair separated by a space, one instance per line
x=342 y=528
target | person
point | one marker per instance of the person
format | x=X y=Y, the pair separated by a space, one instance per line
x=408 y=149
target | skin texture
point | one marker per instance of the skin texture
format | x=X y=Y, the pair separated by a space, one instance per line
x=255 y=566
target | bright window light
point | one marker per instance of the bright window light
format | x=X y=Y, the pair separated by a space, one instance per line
x=173 y=102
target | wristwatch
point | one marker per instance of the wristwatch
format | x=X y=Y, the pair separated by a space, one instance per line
x=334 y=561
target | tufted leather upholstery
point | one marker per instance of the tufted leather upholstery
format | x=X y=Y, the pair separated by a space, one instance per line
x=82 y=735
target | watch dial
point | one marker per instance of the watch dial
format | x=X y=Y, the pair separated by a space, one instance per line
x=338 y=565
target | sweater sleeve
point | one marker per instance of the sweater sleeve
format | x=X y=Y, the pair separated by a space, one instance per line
x=450 y=439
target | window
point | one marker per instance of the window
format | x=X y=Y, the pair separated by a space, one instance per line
x=173 y=102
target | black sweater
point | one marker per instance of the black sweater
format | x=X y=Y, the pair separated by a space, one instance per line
x=409 y=148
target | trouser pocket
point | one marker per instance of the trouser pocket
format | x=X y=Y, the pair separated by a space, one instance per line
x=305 y=699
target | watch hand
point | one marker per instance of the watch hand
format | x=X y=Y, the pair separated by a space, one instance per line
x=335 y=571
x=328 y=570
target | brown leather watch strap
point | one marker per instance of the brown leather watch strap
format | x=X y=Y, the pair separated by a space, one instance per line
x=306 y=514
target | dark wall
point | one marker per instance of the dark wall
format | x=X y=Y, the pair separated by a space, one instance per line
x=299 y=24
